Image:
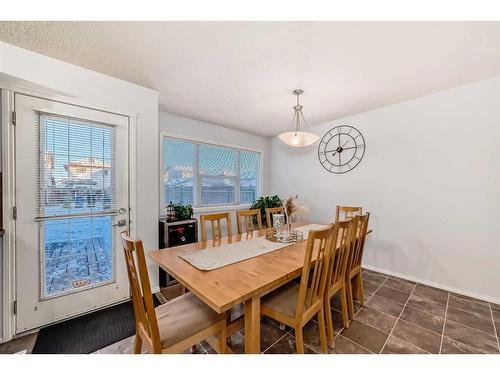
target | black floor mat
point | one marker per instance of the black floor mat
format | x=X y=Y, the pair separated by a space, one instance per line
x=88 y=333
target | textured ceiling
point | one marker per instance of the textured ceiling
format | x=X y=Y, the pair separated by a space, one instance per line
x=241 y=74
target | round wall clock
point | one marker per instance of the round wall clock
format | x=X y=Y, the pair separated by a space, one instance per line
x=341 y=149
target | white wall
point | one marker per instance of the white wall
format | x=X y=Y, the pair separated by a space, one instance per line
x=187 y=127
x=429 y=178
x=100 y=91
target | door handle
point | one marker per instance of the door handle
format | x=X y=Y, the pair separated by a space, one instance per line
x=120 y=223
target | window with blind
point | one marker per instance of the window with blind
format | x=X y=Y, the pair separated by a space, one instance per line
x=75 y=168
x=75 y=202
x=202 y=174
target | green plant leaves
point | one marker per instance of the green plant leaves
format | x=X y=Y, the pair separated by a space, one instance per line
x=183 y=212
x=266 y=202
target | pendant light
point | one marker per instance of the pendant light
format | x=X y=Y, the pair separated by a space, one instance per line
x=298 y=137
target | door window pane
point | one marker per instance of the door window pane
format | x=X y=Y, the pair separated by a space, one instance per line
x=77 y=253
x=75 y=167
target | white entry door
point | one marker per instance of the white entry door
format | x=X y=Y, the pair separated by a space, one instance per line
x=72 y=203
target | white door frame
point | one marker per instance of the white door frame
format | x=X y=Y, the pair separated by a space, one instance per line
x=8 y=173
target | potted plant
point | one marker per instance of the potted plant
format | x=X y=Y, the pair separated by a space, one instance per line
x=183 y=212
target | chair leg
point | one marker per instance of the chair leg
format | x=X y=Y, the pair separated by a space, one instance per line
x=299 y=340
x=354 y=288
x=350 y=300
x=361 y=289
x=137 y=344
x=223 y=340
x=329 y=322
x=228 y=322
x=322 y=330
x=343 y=302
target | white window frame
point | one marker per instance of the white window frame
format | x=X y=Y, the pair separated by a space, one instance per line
x=196 y=175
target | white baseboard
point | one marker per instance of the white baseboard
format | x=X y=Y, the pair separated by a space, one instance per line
x=433 y=284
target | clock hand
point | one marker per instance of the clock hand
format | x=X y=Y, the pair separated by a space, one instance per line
x=346 y=142
x=335 y=151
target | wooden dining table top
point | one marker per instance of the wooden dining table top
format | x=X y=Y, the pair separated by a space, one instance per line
x=228 y=286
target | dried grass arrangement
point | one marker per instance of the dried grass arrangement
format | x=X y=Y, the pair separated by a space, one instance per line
x=292 y=207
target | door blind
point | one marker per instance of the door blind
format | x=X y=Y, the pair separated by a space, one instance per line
x=76 y=167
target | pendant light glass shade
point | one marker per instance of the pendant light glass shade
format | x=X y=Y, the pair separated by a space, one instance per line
x=298 y=137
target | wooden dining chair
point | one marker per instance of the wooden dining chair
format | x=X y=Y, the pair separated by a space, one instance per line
x=354 y=276
x=296 y=304
x=248 y=216
x=174 y=326
x=269 y=214
x=347 y=212
x=336 y=277
x=215 y=221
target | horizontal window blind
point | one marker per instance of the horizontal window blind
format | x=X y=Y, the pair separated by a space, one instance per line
x=76 y=174
x=203 y=174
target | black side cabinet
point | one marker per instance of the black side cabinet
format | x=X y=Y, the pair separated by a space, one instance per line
x=175 y=233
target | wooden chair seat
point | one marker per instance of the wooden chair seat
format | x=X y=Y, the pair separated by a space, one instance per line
x=282 y=300
x=184 y=317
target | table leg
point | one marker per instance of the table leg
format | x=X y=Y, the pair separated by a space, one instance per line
x=252 y=326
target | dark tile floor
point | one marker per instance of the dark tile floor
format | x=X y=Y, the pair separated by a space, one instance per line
x=399 y=316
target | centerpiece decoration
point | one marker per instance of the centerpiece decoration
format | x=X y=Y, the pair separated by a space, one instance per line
x=282 y=230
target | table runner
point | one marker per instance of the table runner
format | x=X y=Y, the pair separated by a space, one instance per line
x=217 y=257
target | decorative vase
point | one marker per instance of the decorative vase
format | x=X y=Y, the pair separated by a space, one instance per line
x=279 y=224
x=288 y=226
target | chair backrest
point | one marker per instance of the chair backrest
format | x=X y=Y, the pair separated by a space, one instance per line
x=248 y=216
x=313 y=280
x=342 y=244
x=142 y=299
x=269 y=214
x=346 y=212
x=360 y=227
x=214 y=220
